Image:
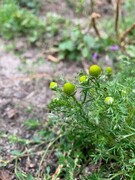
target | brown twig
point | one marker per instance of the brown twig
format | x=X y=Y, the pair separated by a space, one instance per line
x=126 y=32
x=117 y=18
x=95 y=16
x=57 y=172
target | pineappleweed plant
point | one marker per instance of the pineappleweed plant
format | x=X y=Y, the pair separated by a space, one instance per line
x=96 y=112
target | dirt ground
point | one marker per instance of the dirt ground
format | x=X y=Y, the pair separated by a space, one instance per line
x=23 y=87
x=25 y=93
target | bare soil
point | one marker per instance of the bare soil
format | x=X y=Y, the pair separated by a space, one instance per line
x=24 y=94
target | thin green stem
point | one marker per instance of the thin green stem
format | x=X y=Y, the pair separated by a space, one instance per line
x=83 y=114
x=85 y=96
x=44 y=155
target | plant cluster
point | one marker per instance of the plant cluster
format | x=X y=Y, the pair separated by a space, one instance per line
x=55 y=24
x=79 y=44
x=96 y=115
x=15 y=21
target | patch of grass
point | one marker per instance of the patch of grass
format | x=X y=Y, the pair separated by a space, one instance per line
x=15 y=22
x=20 y=22
x=32 y=124
x=55 y=24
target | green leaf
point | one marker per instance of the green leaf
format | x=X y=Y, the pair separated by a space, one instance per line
x=89 y=41
x=30 y=177
x=66 y=45
x=32 y=123
x=61 y=55
x=132 y=161
x=20 y=175
x=16 y=153
x=85 y=52
x=130 y=51
x=25 y=22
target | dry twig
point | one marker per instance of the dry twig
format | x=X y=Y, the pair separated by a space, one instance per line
x=57 y=172
x=126 y=32
x=95 y=16
x=117 y=18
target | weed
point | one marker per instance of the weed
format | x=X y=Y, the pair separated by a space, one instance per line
x=32 y=124
x=55 y=23
x=78 y=44
x=19 y=22
x=98 y=122
x=74 y=45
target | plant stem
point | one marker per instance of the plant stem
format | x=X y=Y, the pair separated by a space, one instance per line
x=44 y=155
x=117 y=18
x=95 y=16
x=74 y=98
x=85 y=95
x=95 y=28
x=126 y=32
x=80 y=107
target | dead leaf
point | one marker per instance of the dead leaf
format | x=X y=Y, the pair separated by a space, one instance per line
x=11 y=113
x=52 y=58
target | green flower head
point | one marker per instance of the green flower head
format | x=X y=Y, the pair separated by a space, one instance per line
x=53 y=85
x=108 y=71
x=108 y=100
x=83 y=79
x=95 y=70
x=69 y=89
